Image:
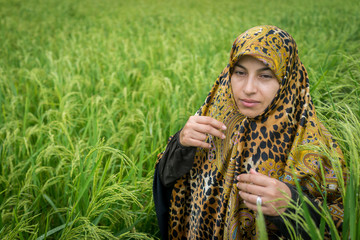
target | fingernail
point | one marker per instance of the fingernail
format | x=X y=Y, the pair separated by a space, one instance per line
x=223 y=136
x=223 y=127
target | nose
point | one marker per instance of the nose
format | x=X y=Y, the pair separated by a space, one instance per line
x=250 y=85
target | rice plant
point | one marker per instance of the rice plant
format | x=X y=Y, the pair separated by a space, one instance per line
x=90 y=91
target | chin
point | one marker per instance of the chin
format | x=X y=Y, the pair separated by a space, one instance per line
x=249 y=114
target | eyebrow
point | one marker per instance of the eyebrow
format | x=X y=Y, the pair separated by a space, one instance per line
x=261 y=69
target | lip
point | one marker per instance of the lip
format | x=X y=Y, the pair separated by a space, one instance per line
x=249 y=102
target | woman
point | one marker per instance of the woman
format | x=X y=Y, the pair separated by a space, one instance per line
x=243 y=149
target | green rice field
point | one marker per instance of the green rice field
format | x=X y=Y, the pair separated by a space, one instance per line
x=91 y=90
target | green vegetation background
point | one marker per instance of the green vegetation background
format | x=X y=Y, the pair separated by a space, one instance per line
x=91 y=90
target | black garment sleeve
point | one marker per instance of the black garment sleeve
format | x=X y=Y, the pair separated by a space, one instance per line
x=161 y=196
x=176 y=161
x=279 y=221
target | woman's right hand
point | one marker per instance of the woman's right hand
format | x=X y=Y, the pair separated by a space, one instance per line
x=196 y=130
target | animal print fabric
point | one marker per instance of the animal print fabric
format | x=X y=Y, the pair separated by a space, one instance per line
x=205 y=203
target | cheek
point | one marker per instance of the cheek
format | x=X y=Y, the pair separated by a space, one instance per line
x=232 y=87
x=271 y=92
x=235 y=86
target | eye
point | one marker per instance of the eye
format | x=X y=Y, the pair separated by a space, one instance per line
x=239 y=72
x=266 y=76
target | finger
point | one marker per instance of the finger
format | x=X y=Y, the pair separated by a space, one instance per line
x=253 y=171
x=197 y=143
x=187 y=134
x=257 y=179
x=251 y=188
x=248 y=197
x=251 y=202
x=250 y=206
x=208 y=129
x=205 y=125
x=266 y=210
x=210 y=121
x=196 y=135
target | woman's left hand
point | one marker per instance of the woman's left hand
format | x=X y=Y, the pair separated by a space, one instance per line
x=254 y=185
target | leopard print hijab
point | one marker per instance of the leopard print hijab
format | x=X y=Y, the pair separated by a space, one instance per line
x=205 y=203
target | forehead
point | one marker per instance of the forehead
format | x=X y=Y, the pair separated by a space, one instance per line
x=249 y=61
x=268 y=44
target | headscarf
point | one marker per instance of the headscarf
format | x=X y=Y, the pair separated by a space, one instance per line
x=205 y=203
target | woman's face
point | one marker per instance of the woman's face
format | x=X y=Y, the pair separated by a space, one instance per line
x=254 y=86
